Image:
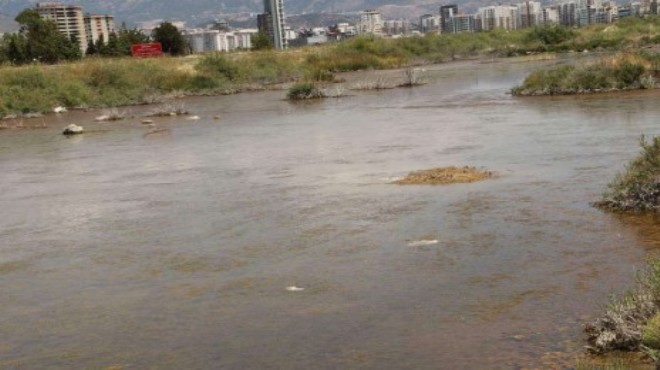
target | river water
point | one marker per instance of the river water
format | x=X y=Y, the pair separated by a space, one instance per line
x=172 y=247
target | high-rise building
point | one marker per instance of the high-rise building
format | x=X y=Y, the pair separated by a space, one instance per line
x=371 y=22
x=69 y=20
x=429 y=23
x=99 y=26
x=530 y=14
x=462 y=23
x=74 y=24
x=271 y=22
x=504 y=17
x=447 y=12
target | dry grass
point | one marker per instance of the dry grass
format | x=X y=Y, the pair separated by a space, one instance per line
x=445 y=175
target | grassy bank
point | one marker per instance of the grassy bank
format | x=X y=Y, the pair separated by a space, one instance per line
x=122 y=81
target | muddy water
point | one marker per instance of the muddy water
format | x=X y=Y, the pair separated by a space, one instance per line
x=172 y=247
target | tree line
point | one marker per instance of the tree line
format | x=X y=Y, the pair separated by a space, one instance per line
x=39 y=41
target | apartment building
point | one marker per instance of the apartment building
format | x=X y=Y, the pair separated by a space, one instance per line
x=492 y=17
x=74 y=24
x=69 y=20
x=271 y=22
x=371 y=22
x=202 y=41
x=99 y=26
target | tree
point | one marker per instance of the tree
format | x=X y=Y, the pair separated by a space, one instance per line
x=14 y=48
x=91 y=48
x=42 y=41
x=111 y=49
x=126 y=38
x=261 y=41
x=170 y=38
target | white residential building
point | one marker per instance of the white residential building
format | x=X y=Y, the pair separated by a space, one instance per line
x=530 y=14
x=69 y=20
x=430 y=23
x=551 y=15
x=99 y=26
x=492 y=17
x=371 y=22
x=203 y=41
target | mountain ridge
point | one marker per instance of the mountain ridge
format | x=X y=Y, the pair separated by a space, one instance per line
x=198 y=11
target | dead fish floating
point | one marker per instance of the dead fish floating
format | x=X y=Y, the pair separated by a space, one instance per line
x=422 y=243
x=294 y=289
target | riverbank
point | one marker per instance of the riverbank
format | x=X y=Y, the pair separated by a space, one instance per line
x=113 y=82
x=631 y=322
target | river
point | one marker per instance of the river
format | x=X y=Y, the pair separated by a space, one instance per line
x=172 y=247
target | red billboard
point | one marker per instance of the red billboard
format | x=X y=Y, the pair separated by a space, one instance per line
x=152 y=49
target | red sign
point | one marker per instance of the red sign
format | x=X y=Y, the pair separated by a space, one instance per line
x=153 y=49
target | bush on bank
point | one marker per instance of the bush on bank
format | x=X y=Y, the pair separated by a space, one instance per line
x=637 y=189
x=631 y=322
x=622 y=72
x=304 y=91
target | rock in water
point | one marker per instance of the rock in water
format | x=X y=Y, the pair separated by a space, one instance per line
x=422 y=243
x=72 y=129
x=59 y=109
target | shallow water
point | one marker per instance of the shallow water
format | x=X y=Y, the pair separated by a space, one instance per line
x=173 y=247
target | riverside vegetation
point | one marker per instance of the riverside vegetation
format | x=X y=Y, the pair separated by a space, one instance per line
x=632 y=322
x=626 y=71
x=110 y=82
x=637 y=189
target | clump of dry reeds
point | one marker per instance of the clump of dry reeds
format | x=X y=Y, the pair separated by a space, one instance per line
x=445 y=175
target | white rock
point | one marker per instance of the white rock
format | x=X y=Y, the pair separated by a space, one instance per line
x=103 y=117
x=60 y=110
x=294 y=289
x=193 y=118
x=72 y=129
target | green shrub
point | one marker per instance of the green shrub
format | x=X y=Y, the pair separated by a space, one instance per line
x=552 y=81
x=637 y=189
x=629 y=73
x=550 y=34
x=303 y=91
x=651 y=333
x=220 y=65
